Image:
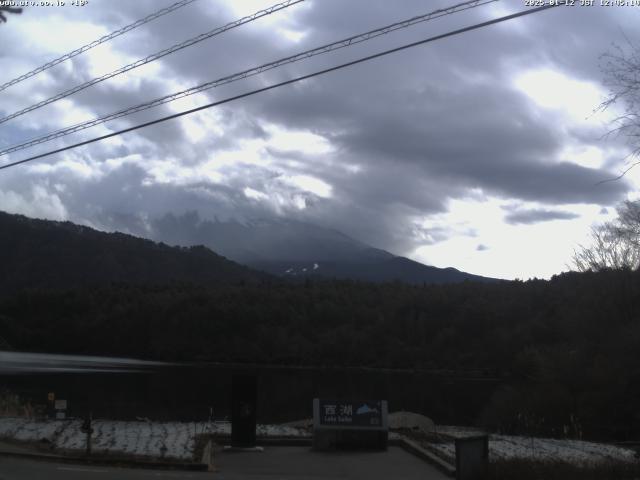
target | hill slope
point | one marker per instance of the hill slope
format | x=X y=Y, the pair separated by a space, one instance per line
x=41 y=254
x=374 y=270
x=295 y=249
x=263 y=240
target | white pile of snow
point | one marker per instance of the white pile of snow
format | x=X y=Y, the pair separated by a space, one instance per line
x=507 y=447
x=458 y=432
x=411 y=421
x=174 y=440
x=280 y=431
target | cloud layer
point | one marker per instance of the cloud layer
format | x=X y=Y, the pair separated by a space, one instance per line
x=379 y=150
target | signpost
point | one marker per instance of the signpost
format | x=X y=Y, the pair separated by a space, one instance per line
x=61 y=409
x=243 y=411
x=350 y=424
x=51 y=411
x=88 y=429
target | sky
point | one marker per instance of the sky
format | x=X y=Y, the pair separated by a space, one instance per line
x=483 y=151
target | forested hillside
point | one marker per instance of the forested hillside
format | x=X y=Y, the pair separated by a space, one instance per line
x=41 y=253
x=567 y=349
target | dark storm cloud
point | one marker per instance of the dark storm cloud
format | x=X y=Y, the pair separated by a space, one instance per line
x=529 y=217
x=448 y=132
x=488 y=141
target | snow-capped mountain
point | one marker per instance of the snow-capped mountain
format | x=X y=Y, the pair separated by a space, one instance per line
x=297 y=249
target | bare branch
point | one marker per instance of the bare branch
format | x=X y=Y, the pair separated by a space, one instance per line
x=3 y=18
x=621 y=68
x=615 y=244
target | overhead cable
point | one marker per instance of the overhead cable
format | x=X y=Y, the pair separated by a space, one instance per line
x=347 y=42
x=97 y=42
x=153 y=57
x=476 y=26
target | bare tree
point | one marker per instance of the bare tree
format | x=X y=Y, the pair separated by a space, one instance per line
x=621 y=69
x=3 y=10
x=615 y=244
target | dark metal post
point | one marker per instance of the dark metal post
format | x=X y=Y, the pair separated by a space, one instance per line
x=86 y=427
x=243 y=410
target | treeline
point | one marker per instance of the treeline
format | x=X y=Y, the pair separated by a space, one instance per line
x=44 y=254
x=567 y=348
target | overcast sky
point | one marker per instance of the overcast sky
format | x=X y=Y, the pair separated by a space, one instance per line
x=480 y=151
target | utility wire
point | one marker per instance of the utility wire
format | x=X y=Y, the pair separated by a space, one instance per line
x=97 y=42
x=153 y=57
x=290 y=81
x=347 y=42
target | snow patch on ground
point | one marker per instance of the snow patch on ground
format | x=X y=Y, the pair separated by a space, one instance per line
x=176 y=440
x=508 y=447
x=171 y=440
x=458 y=432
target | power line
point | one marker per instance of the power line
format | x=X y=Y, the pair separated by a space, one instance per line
x=347 y=42
x=153 y=57
x=290 y=81
x=97 y=42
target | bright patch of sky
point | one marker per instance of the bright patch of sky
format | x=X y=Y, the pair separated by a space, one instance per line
x=69 y=34
x=508 y=251
x=105 y=59
x=310 y=184
x=278 y=22
x=38 y=203
x=245 y=8
x=186 y=103
x=294 y=36
x=587 y=156
x=247 y=152
x=171 y=172
x=71 y=165
x=70 y=114
x=553 y=90
x=254 y=194
x=202 y=125
x=301 y=141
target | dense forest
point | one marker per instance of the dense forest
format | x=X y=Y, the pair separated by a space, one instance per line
x=43 y=254
x=566 y=349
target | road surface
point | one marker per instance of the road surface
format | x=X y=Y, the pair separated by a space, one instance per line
x=23 y=469
x=282 y=463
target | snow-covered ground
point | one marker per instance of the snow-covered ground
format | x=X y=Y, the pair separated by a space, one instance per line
x=176 y=440
x=171 y=440
x=506 y=447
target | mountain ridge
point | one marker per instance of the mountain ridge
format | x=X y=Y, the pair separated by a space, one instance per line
x=37 y=253
x=291 y=248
